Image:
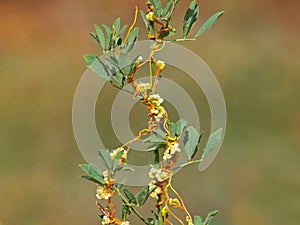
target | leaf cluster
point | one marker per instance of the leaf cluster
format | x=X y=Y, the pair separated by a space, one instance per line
x=191 y=17
x=118 y=65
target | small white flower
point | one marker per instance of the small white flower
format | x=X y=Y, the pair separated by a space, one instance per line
x=155 y=99
x=170 y=151
x=125 y=223
x=144 y=86
x=105 y=220
x=106 y=176
x=158 y=175
x=102 y=193
x=157 y=191
x=150 y=16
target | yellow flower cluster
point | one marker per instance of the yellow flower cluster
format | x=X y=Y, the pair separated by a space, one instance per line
x=156 y=110
x=114 y=153
x=161 y=65
x=155 y=100
x=174 y=202
x=158 y=175
x=170 y=150
x=189 y=220
x=151 y=16
x=102 y=193
x=156 y=192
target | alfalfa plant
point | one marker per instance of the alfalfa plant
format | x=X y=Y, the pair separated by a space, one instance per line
x=120 y=69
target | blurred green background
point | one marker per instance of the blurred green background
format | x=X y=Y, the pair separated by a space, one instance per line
x=254 y=51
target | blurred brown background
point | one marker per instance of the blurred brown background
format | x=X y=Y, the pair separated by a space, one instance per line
x=254 y=51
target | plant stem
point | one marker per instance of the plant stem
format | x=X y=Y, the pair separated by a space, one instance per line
x=159 y=213
x=182 y=39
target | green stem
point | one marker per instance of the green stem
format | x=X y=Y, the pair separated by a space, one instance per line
x=188 y=163
x=159 y=213
x=182 y=39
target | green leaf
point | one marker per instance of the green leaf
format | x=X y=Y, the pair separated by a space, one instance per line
x=153 y=139
x=97 y=66
x=115 y=71
x=126 y=211
x=93 y=172
x=167 y=7
x=172 y=129
x=131 y=198
x=190 y=17
x=156 y=146
x=191 y=141
x=125 y=64
x=100 y=35
x=105 y=158
x=197 y=220
x=209 y=217
x=108 y=38
x=159 y=132
x=125 y=168
x=89 y=178
x=179 y=126
x=157 y=6
x=84 y=168
x=123 y=29
x=143 y=195
x=143 y=15
x=132 y=38
x=117 y=26
x=208 y=23
x=152 y=221
x=95 y=37
x=96 y=173
x=213 y=141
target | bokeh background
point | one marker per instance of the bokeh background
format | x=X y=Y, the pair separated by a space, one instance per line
x=254 y=51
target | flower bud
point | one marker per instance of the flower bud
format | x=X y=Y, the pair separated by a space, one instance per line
x=150 y=16
x=174 y=202
x=161 y=65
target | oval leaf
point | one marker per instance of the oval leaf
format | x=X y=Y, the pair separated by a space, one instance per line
x=142 y=196
x=213 y=141
x=198 y=220
x=207 y=25
x=209 y=217
x=93 y=173
x=100 y=35
x=157 y=6
x=190 y=17
x=191 y=141
x=167 y=7
x=131 y=198
x=97 y=66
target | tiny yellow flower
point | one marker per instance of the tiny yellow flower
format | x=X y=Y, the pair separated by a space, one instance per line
x=150 y=16
x=101 y=193
x=174 y=202
x=189 y=220
x=164 y=211
x=161 y=65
